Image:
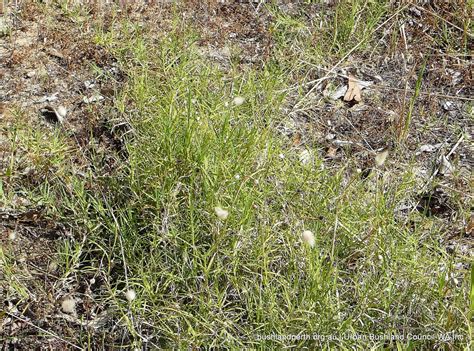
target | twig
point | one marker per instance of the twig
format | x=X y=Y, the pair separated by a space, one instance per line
x=455 y=146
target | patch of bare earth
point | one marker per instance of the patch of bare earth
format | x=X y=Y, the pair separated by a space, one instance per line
x=46 y=67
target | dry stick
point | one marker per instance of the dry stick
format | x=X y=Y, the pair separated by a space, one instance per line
x=455 y=146
x=44 y=330
x=347 y=55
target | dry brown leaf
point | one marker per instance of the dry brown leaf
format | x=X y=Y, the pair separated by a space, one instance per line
x=331 y=152
x=296 y=139
x=470 y=226
x=353 y=90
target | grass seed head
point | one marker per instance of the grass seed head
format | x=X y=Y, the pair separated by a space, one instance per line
x=12 y=235
x=238 y=100
x=68 y=305
x=381 y=157
x=308 y=238
x=130 y=295
x=221 y=213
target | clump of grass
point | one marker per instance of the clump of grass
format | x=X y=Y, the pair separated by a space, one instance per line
x=205 y=280
x=214 y=234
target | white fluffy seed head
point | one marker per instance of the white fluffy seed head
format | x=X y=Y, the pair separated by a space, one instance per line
x=221 y=213
x=68 y=305
x=12 y=235
x=381 y=157
x=238 y=100
x=308 y=238
x=130 y=295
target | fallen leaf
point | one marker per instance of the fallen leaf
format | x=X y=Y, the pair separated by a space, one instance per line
x=331 y=152
x=353 y=90
x=470 y=226
x=296 y=139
